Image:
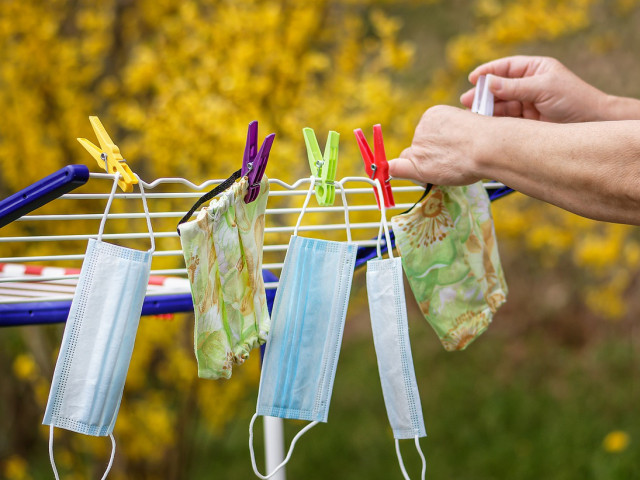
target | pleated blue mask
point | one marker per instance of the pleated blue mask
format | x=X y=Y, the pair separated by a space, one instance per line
x=98 y=339
x=388 y=311
x=306 y=332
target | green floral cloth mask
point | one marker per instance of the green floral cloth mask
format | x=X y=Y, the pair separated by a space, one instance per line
x=223 y=253
x=450 y=256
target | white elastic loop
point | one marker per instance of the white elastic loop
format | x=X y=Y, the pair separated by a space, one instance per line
x=346 y=211
x=106 y=210
x=113 y=454
x=148 y=217
x=424 y=460
x=404 y=470
x=379 y=242
x=53 y=463
x=144 y=204
x=287 y=458
x=383 y=224
x=305 y=204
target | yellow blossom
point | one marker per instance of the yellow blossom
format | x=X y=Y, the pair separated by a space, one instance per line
x=25 y=368
x=16 y=468
x=616 y=441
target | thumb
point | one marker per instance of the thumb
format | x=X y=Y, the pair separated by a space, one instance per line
x=520 y=89
x=404 y=167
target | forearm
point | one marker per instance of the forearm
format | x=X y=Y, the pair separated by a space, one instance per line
x=592 y=169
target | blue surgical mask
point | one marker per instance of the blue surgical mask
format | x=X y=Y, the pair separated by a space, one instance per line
x=306 y=332
x=388 y=312
x=98 y=338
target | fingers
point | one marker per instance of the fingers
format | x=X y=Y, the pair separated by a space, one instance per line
x=509 y=67
x=525 y=89
x=467 y=97
x=511 y=108
x=501 y=108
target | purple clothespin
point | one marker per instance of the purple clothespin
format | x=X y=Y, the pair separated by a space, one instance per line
x=254 y=164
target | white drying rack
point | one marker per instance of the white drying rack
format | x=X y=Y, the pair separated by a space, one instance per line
x=39 y=270
x=48 y=272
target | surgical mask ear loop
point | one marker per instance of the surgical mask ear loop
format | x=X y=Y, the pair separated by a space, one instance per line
x=53 y=463
x=346 y=211
x=144 y=204
x=304 y=205
x=147 y=215
x=383 y=225
x=287 y=458
x=424 y=461
x=108 y=207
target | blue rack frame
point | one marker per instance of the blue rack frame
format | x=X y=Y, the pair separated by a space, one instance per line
x=42 y=192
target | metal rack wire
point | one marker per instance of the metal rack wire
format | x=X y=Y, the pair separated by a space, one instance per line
x=41 y=253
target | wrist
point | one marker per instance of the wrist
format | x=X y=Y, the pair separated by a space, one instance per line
x=484 y=151
x=612 y=107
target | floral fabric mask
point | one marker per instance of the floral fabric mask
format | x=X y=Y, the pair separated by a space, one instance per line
x=223 y=253
x=450 y=255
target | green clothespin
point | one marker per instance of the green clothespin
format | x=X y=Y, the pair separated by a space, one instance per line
x=323 y=169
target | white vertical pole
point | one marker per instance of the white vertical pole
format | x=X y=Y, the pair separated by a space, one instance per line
x=274 y=446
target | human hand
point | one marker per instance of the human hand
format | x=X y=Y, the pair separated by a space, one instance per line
x=444 y=148
x=538 y=88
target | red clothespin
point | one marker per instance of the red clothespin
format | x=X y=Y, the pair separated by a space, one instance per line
x=254 y=164
x=376 y=167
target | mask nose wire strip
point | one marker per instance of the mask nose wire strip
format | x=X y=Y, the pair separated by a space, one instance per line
x=424 y=461
x=287 y=458
x=304 y=205
x=53 y=463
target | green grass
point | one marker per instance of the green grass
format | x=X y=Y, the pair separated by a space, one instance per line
x=512 y=406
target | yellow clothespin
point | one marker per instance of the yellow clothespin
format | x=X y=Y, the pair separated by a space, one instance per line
x=108 y=156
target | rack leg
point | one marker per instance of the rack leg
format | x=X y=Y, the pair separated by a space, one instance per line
x=274 y=446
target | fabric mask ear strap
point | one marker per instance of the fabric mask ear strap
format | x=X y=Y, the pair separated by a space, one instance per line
x=209 y=195
x=424 y=461
x=304 y=205
x=287 y=458
x=53 y=463
x=383 y=225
